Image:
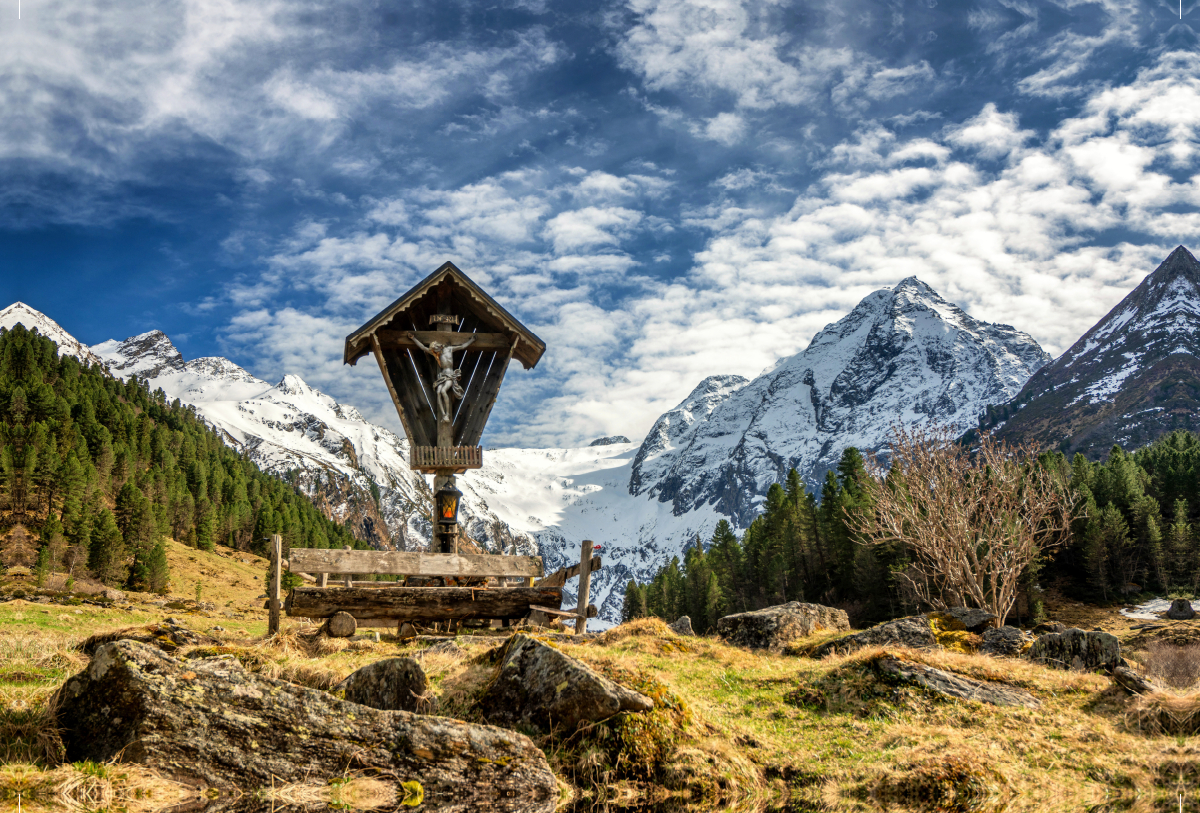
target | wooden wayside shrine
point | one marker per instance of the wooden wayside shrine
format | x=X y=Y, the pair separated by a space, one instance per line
x=443 y=349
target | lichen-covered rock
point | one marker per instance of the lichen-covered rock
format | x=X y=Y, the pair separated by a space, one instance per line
x=537 y=685
x=913 y=631
x=394 y=684
x=682 y=626
x=969 y=619
x=214 y=724
x=1181 y=610
x=773 y=628
x=168 y=635
x=1003 y=641
x=1134 y=682
x=1050 y=626
x=956 y=686
x=1077 y=649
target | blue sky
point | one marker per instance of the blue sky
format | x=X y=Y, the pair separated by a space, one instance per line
x=661 y=189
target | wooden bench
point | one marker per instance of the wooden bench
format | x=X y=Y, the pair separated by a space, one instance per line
x=379 y=604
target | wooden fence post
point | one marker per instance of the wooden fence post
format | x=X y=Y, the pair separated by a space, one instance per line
x=276 y=579
x=349 y=580
x=585 y=586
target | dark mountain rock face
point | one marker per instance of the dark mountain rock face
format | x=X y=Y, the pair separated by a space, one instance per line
x=1133 y=377
x=902 y=355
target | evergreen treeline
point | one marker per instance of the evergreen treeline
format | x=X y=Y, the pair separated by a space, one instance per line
x=103 y=471
x=1137 y=528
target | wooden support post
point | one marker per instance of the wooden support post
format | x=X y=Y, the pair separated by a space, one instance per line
x=348 y=581
x=322 y=580
x=585 y=584
x=273 y=602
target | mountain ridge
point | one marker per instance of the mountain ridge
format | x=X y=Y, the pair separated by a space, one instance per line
x=1132 y=377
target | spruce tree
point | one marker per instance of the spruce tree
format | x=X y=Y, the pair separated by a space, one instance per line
x=106 y=557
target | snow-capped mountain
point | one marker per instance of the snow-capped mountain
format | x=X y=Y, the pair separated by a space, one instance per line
x=902 y=355
x=68 y=345
x=1131 y=378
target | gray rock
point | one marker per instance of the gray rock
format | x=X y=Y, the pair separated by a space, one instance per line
x=1181 y=610
x=956 y=686
x=1133 y=682
x=169 y=636
x=774 y=628
x=395 y=684
x=1050 y=626
x=682 y=626
x=1076 y=649
x=219 y=726
x=113 y=594
x=972 y=619
x=1006 y=641
x=913 y=631
x=537 y=685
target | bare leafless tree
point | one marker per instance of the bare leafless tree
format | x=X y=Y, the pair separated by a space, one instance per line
x=971 y=522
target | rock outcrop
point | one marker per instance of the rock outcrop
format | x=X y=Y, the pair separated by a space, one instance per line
x=682 y=626
x=212 y=723
x=956 y=686
x=969 y=619
x=773 y=628
x=1181 y=610
x=1077 y=649
x=394 y=684
x=1005 y=641
x=537 y=685
x=913 y=631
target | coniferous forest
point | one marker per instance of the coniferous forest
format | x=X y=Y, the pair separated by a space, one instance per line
x=103 y=471
x=1136 y=528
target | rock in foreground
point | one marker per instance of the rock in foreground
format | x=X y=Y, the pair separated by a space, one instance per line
x=682 y=626
x=913 y=631
x=1076 y=649
x=956 y=686
x=168 y=635
x=538 y=686
x=213 y=723
x=1003 y=641
x=394 y=684
x=774 y=628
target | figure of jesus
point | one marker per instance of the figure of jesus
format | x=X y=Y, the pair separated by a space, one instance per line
x=448 y=376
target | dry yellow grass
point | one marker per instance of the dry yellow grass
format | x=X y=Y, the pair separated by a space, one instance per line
x=738 y=729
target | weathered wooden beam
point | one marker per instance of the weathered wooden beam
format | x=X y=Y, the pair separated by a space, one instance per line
x=559 y=577
x=394 y=562
x=585 y=583
x=420 y=603
x=274 y=588
x=592 y=612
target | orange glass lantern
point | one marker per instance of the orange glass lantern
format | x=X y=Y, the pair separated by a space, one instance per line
x=446 y=502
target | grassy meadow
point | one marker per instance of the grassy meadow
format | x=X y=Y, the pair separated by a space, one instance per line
x=732 y=729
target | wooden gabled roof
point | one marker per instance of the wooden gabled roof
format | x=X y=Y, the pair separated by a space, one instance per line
x=466 y=295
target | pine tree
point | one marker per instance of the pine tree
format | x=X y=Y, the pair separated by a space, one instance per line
x=106 y=557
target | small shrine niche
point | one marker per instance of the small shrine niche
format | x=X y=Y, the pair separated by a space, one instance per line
x=443 y=349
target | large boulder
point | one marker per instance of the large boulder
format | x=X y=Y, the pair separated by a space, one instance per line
x=913 y=631
x=212 y=723
x=949 y=684
x=774 y=628
x=537 y=685
x=1077 y=649
x=1181 y=610
x=1003 y=641
x=394 y=684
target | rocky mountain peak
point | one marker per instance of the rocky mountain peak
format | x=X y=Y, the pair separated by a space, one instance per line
x=1128 y=379
x=902 y=354
x=147 y=355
